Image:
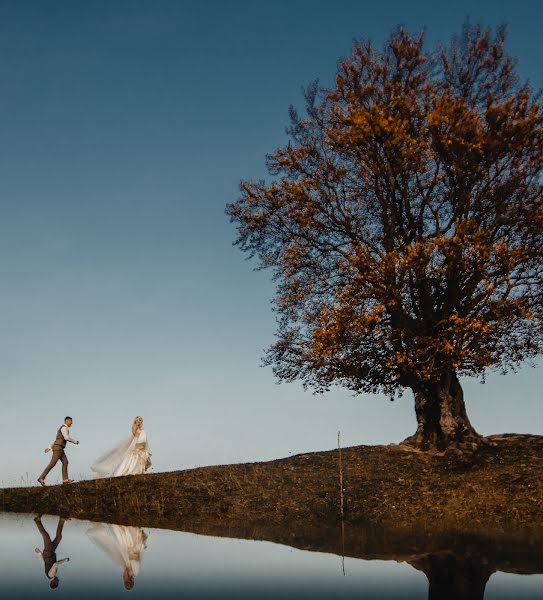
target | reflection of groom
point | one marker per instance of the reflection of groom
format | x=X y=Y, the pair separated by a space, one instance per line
x=49 y=554
x=57 y=447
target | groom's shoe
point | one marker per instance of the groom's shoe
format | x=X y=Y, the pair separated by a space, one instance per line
x=41 y=482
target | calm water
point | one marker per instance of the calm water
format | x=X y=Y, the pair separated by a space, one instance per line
x=107 y=559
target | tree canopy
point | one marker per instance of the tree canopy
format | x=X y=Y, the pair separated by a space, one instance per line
x=404 y=225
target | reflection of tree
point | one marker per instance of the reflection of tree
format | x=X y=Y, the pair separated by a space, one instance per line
x=123 y=544
x=453 y=578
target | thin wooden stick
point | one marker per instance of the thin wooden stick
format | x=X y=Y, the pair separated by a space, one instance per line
x=341 y=504
x=340 y=477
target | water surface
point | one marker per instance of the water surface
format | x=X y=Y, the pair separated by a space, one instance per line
x=107 y=559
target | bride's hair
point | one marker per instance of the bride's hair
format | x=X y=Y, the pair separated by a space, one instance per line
x=128 y=579
x=136 y=424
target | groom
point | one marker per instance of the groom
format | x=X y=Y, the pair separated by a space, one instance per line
x=57 y=447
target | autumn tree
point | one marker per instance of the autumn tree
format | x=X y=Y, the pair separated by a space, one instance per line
x=403 y=223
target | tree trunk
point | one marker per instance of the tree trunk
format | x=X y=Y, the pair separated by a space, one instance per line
x=442 y=420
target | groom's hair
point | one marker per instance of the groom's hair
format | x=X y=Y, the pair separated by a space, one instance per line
x=66 y=418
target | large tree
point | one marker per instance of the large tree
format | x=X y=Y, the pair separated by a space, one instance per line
x=404 y=226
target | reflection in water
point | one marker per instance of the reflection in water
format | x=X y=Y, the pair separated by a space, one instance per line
x=49 y=553
x=123 y=544
x=457 y=566
x=380 y=564
x=453 y=577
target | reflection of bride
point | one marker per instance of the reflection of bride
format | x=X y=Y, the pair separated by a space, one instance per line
x=129 y=457
x=123 y=544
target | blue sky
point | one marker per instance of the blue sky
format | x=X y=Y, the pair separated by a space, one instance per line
x=126 y=127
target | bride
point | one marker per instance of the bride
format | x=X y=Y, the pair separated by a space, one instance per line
x=129 y=457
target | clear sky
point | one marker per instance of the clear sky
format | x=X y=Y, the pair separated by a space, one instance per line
x=125 y=129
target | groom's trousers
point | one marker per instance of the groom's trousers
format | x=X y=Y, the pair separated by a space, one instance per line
x=58 y=454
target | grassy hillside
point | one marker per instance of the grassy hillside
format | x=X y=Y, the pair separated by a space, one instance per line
x=498 y=488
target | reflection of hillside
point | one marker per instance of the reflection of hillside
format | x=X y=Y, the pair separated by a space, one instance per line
x=458 y=567
x=511 y=554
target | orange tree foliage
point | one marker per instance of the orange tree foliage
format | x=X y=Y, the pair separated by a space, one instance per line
x=404 y=219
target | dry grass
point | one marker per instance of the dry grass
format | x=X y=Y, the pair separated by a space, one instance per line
x=496 y=489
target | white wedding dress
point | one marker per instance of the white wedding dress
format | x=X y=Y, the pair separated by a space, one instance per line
x=124 y=545
x=129 y=457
